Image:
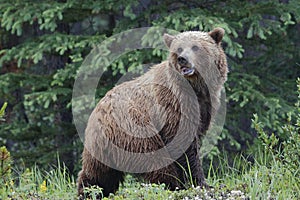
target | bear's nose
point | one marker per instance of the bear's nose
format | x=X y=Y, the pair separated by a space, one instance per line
x=182 y=60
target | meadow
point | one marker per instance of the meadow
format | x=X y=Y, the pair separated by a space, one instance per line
x=270 y=175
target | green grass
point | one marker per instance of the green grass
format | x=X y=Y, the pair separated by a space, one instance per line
x=265 y=178
x=36 y=184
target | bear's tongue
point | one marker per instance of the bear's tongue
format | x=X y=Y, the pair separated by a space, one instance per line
x=187 y=71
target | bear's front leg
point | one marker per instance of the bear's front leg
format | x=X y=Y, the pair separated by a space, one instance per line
x=200 y=178
x=197 y=169
x=167 y=175
x=190 y=167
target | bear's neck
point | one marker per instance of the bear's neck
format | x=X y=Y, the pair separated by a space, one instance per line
x=194 y=87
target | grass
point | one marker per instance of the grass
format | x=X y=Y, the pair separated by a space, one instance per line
x=265 y=178
x=37 y=184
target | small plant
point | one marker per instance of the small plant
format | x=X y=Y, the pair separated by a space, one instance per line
x=132 y=189
x=94 y=192
x=43 y=186
x=5 y=170
x=2 y=111
x=291 y=147
x=268 y=141
x=5 y=165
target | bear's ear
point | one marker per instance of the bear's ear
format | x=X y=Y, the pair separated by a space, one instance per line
x=217 y=34
x=168 y=39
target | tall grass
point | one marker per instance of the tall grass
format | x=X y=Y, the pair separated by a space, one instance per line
x=265 y=178
x=38 y=184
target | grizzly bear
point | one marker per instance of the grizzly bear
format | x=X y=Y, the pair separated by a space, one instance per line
x=153 y=125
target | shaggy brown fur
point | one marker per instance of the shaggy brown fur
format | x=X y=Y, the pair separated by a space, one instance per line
x=128 y=116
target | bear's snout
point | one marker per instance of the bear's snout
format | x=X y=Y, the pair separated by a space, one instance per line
x=185 y=67
x=183 y=61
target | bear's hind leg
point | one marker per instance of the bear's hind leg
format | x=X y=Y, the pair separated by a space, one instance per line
x=109 y=182
x=94 y=173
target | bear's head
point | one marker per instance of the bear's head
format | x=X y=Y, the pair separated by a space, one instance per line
x=195 y=53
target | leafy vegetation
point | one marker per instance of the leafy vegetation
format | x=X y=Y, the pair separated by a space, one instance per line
x=36 y=184
x=5 y=169
x=2 y=110
x=43 y=43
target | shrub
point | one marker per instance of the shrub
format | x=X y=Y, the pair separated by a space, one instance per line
x=5 y=171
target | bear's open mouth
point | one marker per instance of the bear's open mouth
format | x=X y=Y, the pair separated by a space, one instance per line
x=187 y=71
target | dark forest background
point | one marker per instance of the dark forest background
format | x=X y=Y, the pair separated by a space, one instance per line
x=43 y=43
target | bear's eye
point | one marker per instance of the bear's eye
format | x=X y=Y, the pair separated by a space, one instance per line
x=195 y=48
x=179 y=50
